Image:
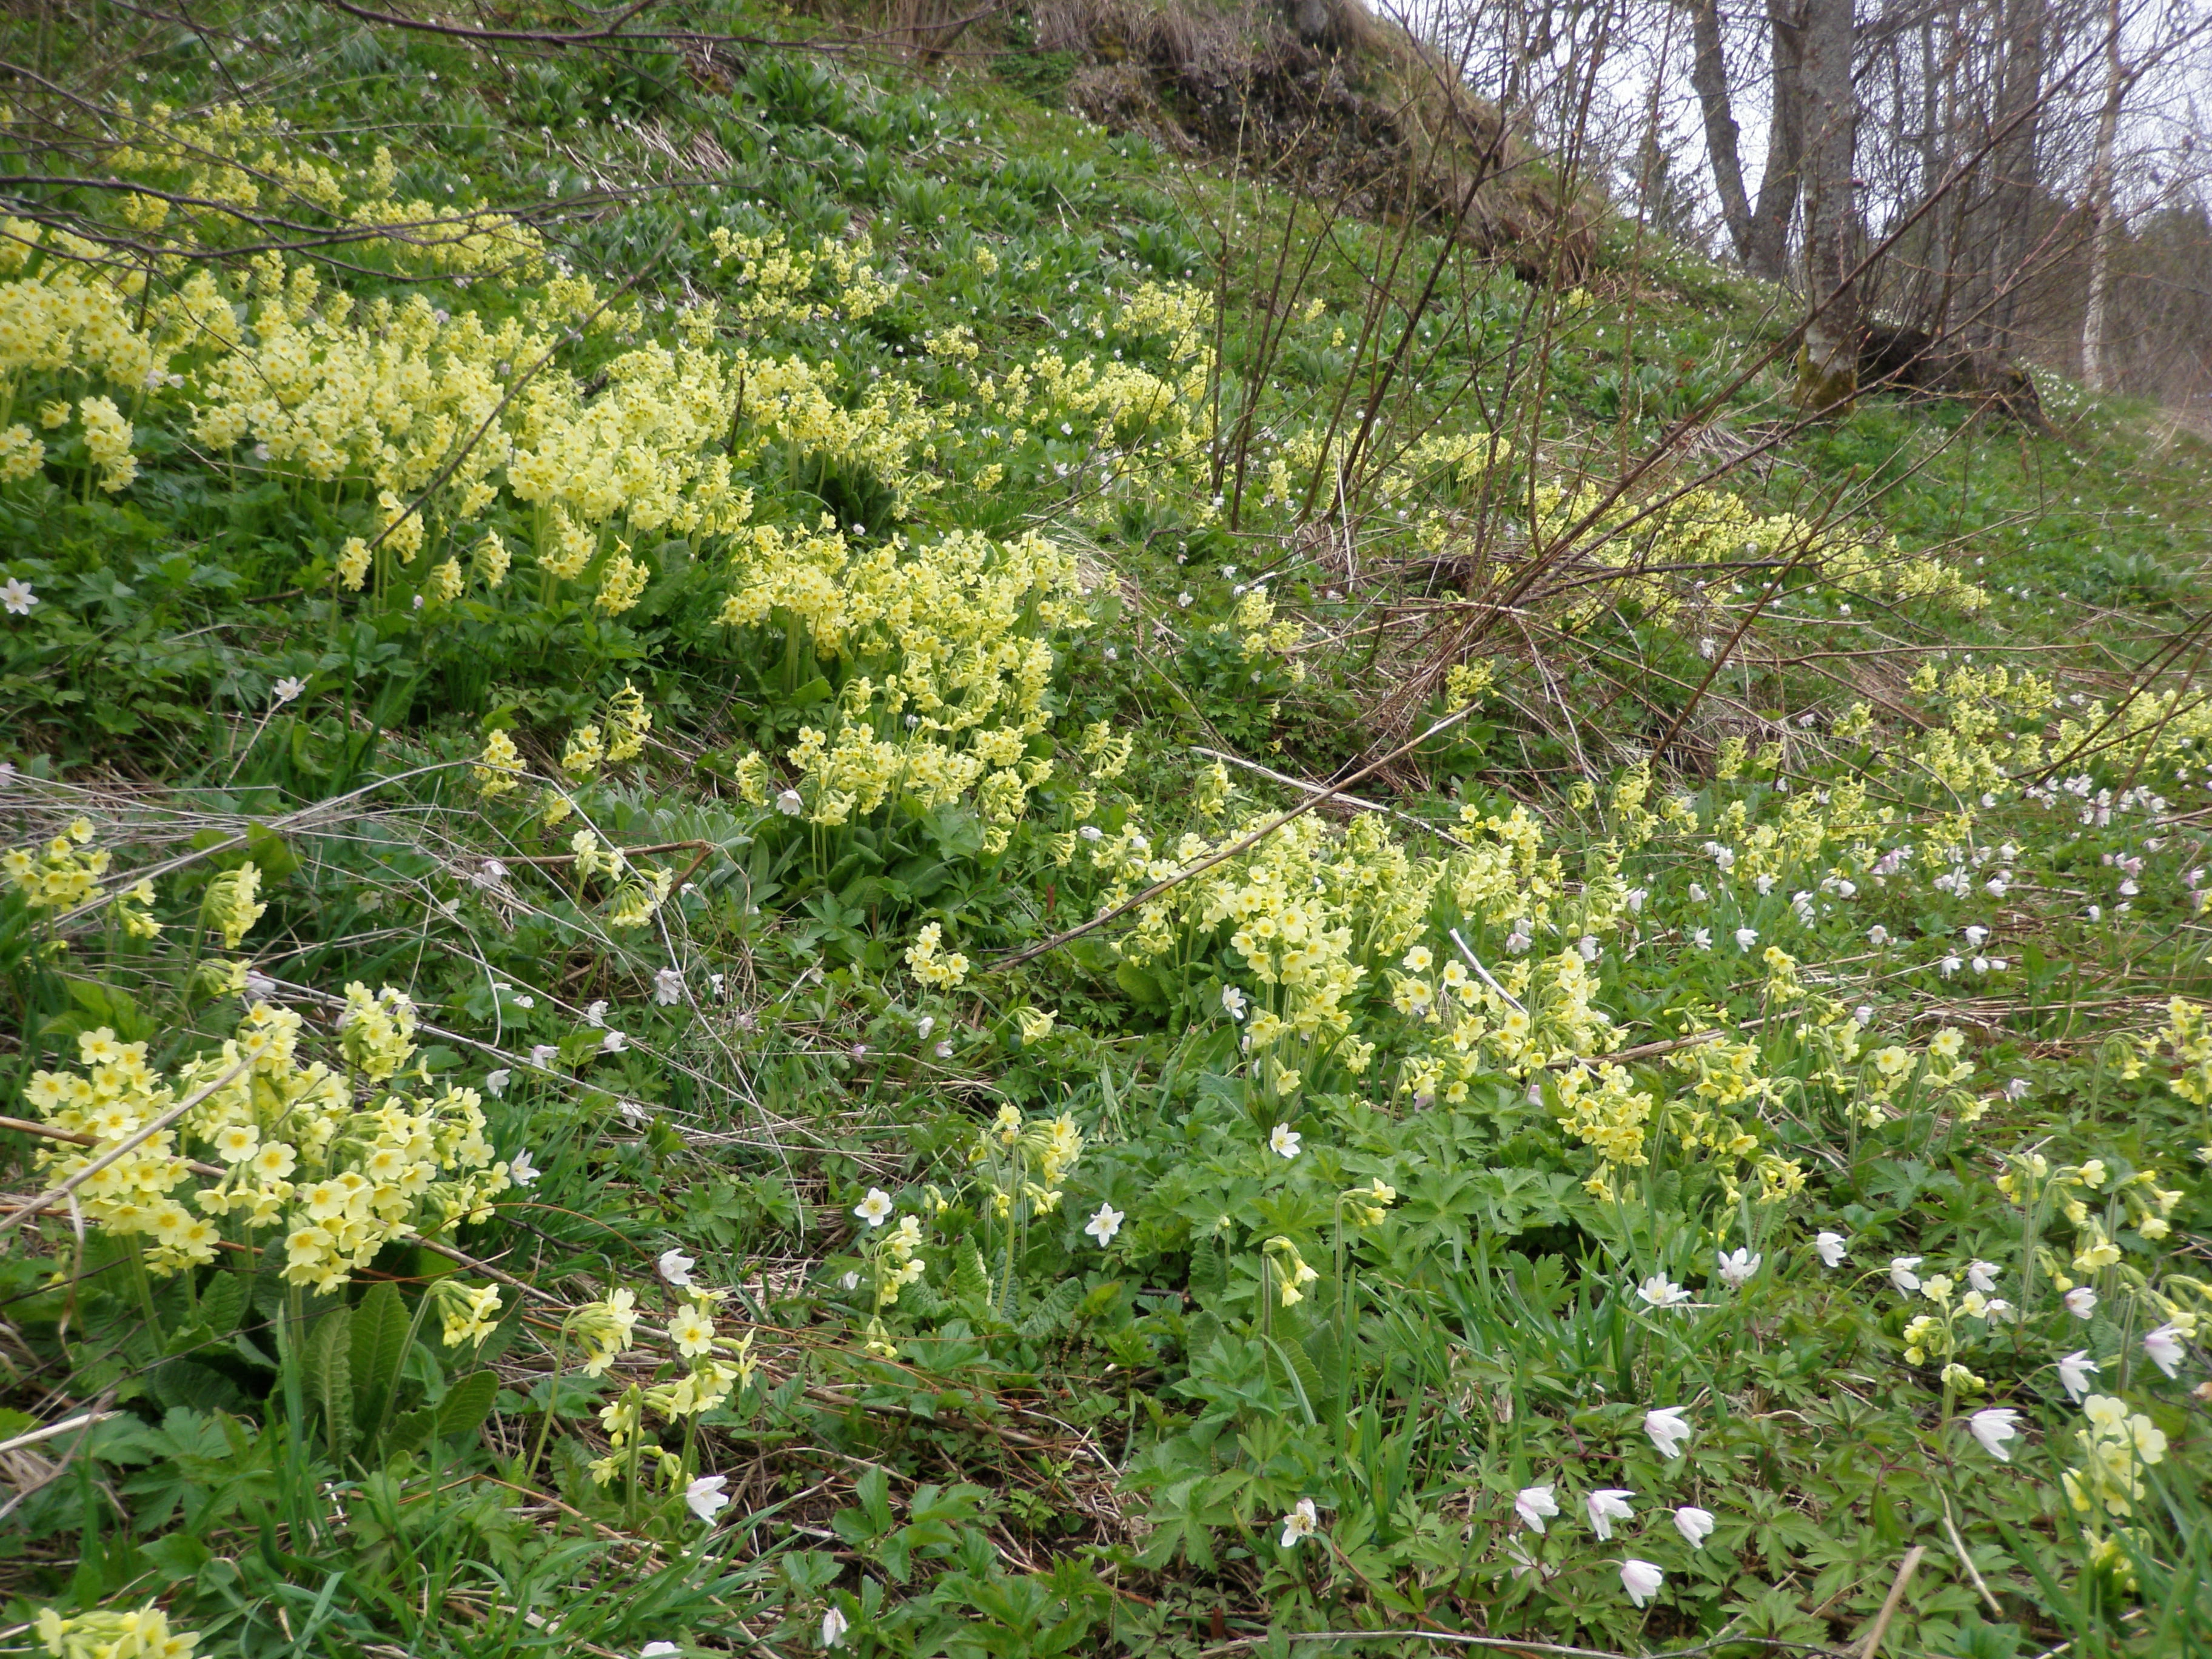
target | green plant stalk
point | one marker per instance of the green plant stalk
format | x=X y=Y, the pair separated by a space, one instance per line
x=552 y=1402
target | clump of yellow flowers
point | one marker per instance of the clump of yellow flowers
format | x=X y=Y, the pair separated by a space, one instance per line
x=66 y=872
x=101 y=1634
x=334 y=1176
x=931 y=964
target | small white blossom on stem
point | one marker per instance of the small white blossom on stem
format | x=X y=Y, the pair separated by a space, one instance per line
x=1107 y=1223
x=1641 y=1580
x=2075 y=1371
x=1993 y=1426
x=705 y=1496
x=1302 y=1522
x=1606 y=1506
x=1533 y=1504
x=1694 y=1524
x=1667 y=1428
x=876 y=1208
x=676 y=1268
x=1831 y=1247
x=1285 y=1140
x=1737 y=1266
x=2163 y=1346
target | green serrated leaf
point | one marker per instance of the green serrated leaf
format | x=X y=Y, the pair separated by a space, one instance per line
x=379 y=1351
x=467 y=1403
x=971 y=1281
x=222 y=1304
x=326 y=1377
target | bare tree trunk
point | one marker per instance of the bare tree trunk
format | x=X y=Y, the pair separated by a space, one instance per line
x=2094 y=372
x=1709 y=75
x=2019 y=158
x=1779 y=185
x=1827 y=367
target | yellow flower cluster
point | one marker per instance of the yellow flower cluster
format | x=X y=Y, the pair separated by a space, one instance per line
x=299 y=1156
x=467 y=1315
x=59 y=876
x=1653 y=544
x=704 y=1380
x=778 y=282
x=101 y=1634
x=496 y=772
x=232 y=905
x=2116 y=1446
x=1024 y=1163
x=950 y=636
x=940 y=972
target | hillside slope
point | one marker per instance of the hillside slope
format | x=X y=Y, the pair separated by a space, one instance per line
x=1062 y=899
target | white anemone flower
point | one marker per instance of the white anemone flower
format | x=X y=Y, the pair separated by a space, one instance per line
x=834 y=1627
x=1831 y=1247
x=1901 y=1273
x=1660 y=1291
x=705 y=1496
x=2075 y=1371
x=1667 y=1428
x=1534 y=1504
x=2164 y=1347
x=1107 y=1223
x=1694 y=1524
x=1993 y=1426
x=876 y=1208
x=676 y=1268
x=1641 y=1580
x=1302 y=1522
x=1285 y=1140
x=2081 y=1302
x=1606 y=1506
x=1737 y=1266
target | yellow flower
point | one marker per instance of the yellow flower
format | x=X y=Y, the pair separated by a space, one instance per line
x=692 y=1332
x=353 y=563
x=621 y=585
x=496 y=773
x=1035 y=1024
x=492 y=559
x=230 y=907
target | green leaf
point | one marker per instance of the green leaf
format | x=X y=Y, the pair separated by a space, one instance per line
x=1140 y=986
x=223 y=1305
x=326 y=1377
x=380 y=1351
x=971 y=1281
x=176 y=1556
x=467 y=1403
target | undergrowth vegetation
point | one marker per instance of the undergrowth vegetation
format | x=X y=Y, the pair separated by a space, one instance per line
x=796 y=859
